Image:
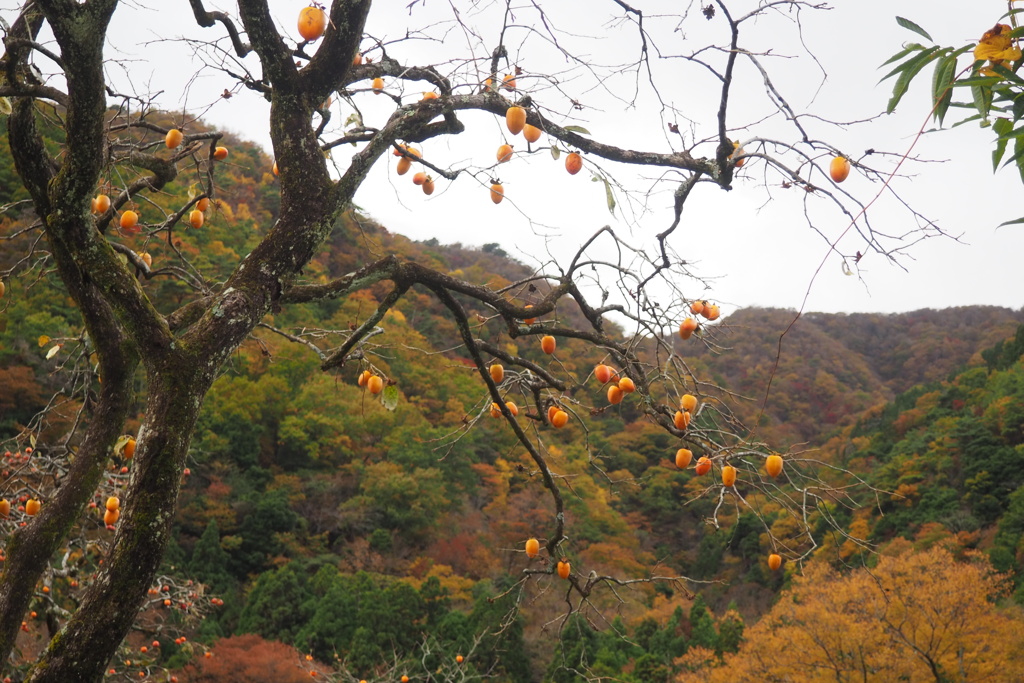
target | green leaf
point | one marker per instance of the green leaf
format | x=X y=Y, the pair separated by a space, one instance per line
x=899 y=55
x=120 y=444
x=913 y=47
x=576 y=129
x=555 y=152
x=942 y=91
x=1001 y=127
x=910 y=69
x=908 y=24
x=982 y=99
x=1018 y=156
x=1013 y=222
x=389 y=397
x=986 y=81
x=609 y=196
x=1007 y=74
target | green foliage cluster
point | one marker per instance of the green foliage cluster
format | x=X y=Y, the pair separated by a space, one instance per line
x=952 y=453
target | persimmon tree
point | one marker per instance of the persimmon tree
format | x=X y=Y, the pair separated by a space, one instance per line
x=109 y=144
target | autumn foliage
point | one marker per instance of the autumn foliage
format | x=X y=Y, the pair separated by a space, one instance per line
x=916 y=616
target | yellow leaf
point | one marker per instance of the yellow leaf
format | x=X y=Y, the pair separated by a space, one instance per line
x=997 y=46
x=43 y=340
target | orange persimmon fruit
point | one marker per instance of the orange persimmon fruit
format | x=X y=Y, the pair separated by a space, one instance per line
x=839 y=169
x=531 y=133
x=773 y=465
x=573 y=163
x=559 y=419
x=173 y=138
x=615 y=394
x=547 y=344
x=129 y=220
x=497 y=193
x=196 y=218
x=687 y=328
x=515 y=119
x=220 y=153
x=703 y=465
x=688 y=403
x=564 y=569
x=375 y=384
x=683 y=458
x=532 y=547
x=627 y=385
x=102 y=203
x=774 y=561
x=312 y=23
x=728 y=476
x=497 y=372
x=504 y=153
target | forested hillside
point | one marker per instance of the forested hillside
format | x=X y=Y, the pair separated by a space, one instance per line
x=383 y=538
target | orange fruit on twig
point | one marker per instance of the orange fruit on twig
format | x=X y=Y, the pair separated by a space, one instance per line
x=515 y=119
x=497 y=193
x=681 y=419
x=615 y=394
x=532 y=547
x=220 y=153
x=312 y=23
x=375 y=384
x=377 y=85
x=559 y=419
x=529 y=321
x=683 y=458
x=173 y=138
x=573 y=163
x=839 y=169
x=497 y=372
x=603 y=373
x=728 y=476
x=774 y=561
x=688 y=403
x=504 y=153
x=703 y=465
x=773 y=465
x=428 y=186
x=547 y=344
x=102 y=203
x=564 y=569
x=196 y=218
x=687 y=328
x=531 y=133
x=130 y=221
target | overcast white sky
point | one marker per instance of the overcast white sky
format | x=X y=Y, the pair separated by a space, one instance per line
x=754 y=242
